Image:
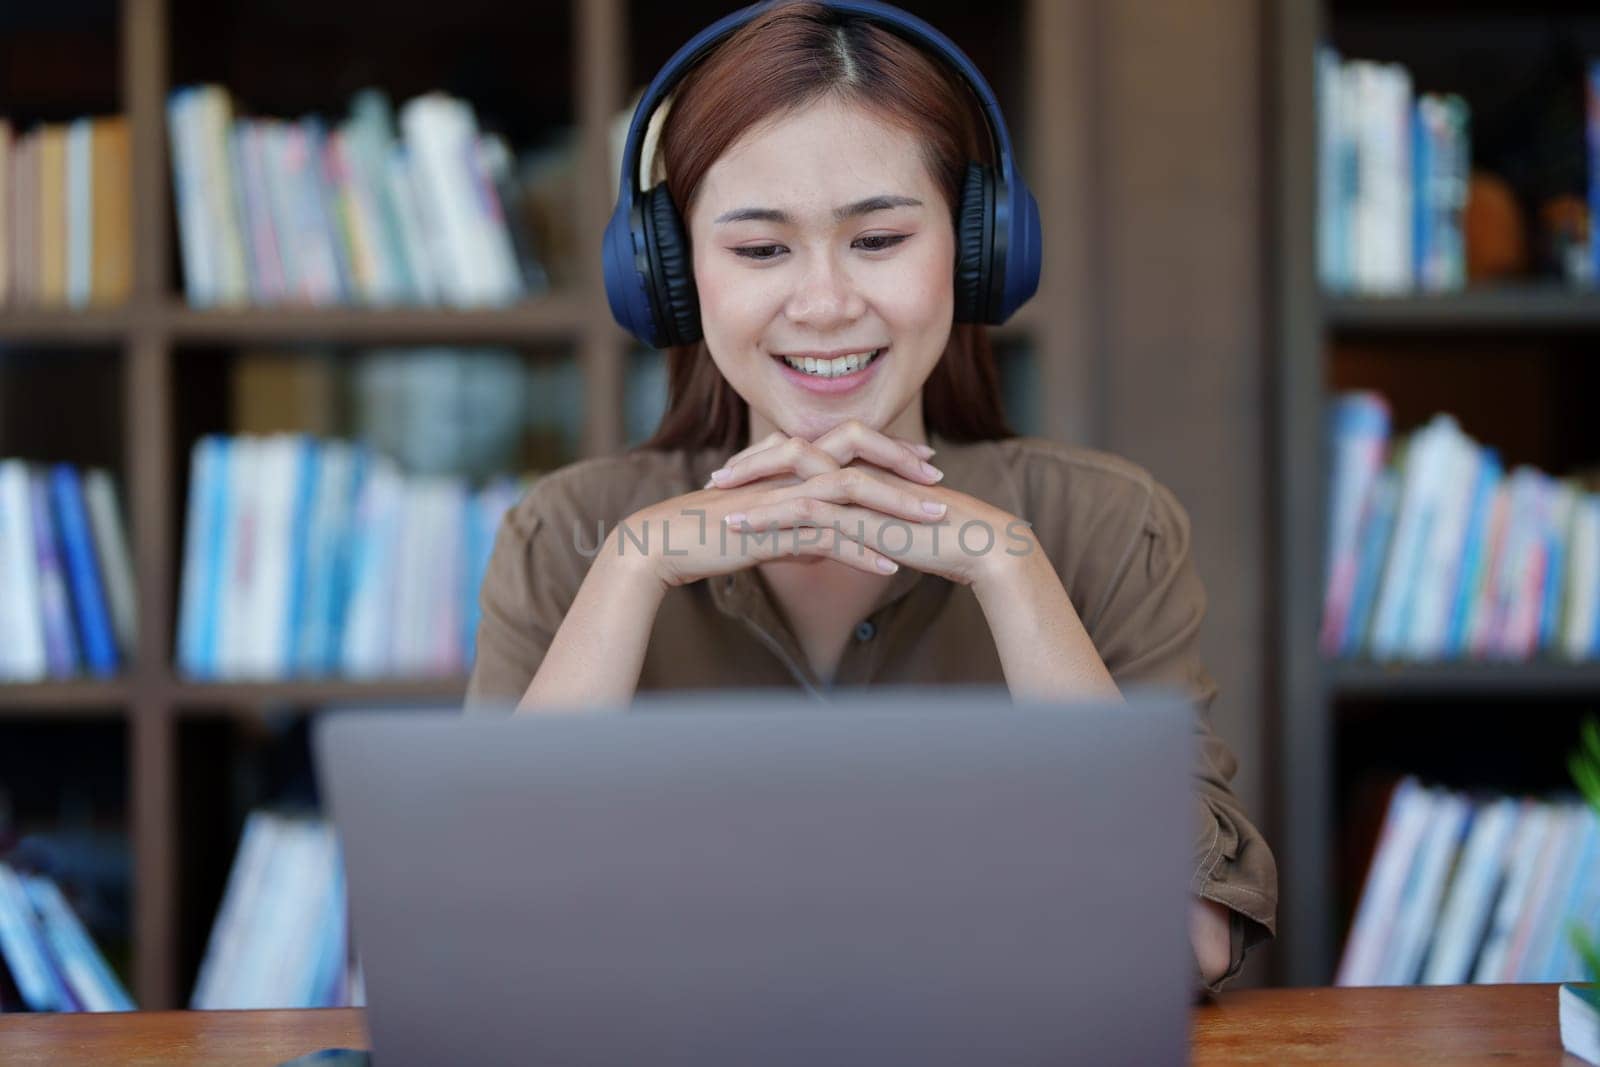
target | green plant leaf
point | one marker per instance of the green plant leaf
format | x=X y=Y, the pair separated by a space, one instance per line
x=1586 y=948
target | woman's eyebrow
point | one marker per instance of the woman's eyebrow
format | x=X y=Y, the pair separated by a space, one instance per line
x=840 y=214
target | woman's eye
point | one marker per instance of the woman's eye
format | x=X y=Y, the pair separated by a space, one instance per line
x=877 y=242
x=889 y=240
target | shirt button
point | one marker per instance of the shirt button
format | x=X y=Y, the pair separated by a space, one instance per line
x=865 y=631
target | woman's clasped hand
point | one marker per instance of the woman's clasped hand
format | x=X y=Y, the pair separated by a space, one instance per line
x=868 y=500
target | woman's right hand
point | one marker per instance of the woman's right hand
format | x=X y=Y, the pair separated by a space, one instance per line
x=684 y=538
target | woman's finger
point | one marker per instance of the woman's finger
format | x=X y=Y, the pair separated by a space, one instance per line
x=827 y=542
x=882 y=493
x=853 y=439
x=775 y=437
x=807 y=459
x=794 y=456
x=807 y=511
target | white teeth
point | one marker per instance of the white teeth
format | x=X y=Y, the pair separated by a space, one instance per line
x=826 y=368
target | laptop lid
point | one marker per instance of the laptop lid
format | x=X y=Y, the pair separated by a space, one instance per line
x=924 y=876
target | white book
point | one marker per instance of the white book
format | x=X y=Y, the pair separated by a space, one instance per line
x=205 y=467
x=270 y=138
x=1445 y=542
x=441 y=135
x=1533 y=833
x=280 y=473
x=188 y=181
x=1403 y=827
x=1419 y=907
x=1466 y=909
x=217 y=983
x=369 y=618
x=115 y=557
x=1506 y=583
x=1547 y=922
x=237 y=579
x=1583 y=579
x=80 y=211
x=22 y=647
x=1422 y=487
x=215 y=110
x=1400 y=191
x=413 y=245
x=1524 y=589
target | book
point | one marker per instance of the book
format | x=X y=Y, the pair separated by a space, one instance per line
x=1439 y=553
x=1579 y=1012
x=1474 y=887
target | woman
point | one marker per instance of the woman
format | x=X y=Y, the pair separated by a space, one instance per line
x=833 y=497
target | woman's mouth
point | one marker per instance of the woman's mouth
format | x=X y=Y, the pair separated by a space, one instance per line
x=840 y=375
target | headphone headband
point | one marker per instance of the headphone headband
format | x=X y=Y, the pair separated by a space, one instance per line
x=892 y=18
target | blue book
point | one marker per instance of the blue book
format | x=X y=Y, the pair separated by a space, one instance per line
x=1375 y=533
x=307 y=468
x=83 y=571
x=214 y=565
x=345 y=561
x=1490 y=474
x=1422 y=194
x=62 y=652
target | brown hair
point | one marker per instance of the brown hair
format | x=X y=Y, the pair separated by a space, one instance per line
x=784 y=59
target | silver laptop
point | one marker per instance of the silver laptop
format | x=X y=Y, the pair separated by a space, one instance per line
x=899 y=876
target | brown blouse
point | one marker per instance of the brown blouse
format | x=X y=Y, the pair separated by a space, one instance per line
x=1118 y=540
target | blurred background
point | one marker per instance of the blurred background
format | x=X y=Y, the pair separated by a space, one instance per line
x=297 y=297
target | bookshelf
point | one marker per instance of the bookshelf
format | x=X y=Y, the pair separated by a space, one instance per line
x=1513 y=357
x=574 y=62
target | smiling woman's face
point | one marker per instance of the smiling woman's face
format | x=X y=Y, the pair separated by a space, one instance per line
x=822 y=234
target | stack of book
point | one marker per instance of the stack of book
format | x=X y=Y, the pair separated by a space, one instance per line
x=280 y=939
x=1438 y=553
x=1393 y=170
x=275 y=211
x=307 y=557
x=66 y=214
x=1465 y=889
x=51 y=962
x=66 y=572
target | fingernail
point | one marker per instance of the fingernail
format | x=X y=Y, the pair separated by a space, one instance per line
x=720 y=474
x=930 y=471
x=886 y=565
x=933 y=507
x=925 y=451
x=736 y=519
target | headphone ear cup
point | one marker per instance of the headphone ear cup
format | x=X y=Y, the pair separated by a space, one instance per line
x=677 y=304
x=975 y=245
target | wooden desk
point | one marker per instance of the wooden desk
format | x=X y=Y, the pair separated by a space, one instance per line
x=1457 y=1025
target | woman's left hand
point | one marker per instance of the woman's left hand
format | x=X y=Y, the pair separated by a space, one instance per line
x=965 y=542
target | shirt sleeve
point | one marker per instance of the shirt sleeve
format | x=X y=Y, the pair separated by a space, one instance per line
x=1147 y=632
x=531 y=579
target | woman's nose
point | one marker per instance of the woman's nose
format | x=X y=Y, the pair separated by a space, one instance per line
x=824 y=294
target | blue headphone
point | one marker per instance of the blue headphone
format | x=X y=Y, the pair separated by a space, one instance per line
x=649 y=280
